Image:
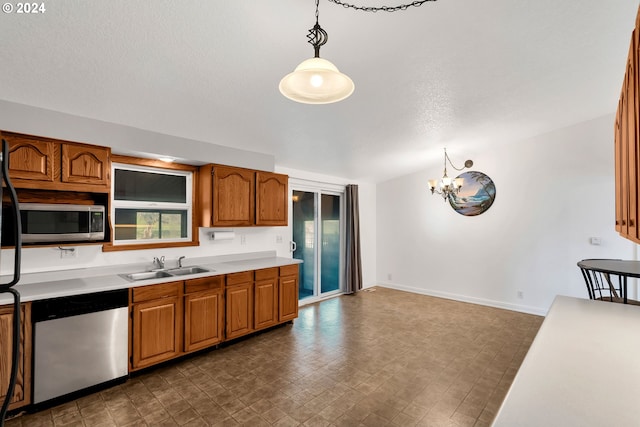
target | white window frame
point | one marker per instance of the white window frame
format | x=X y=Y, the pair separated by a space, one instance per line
x=162 y=206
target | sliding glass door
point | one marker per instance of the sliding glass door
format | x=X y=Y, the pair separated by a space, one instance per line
x=317 y=235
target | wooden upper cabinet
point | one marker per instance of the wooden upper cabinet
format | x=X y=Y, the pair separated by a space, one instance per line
x=618 y=160
x=272 y=199
x=238 y=197
x=233 y=196
x=85 y=164
x=627 y=147
x=50 y=164
x=30 y=158
x=631 y=126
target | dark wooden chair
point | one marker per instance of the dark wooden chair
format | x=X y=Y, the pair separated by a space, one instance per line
x=605 y=286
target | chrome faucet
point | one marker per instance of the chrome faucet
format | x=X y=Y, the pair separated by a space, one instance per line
x=159 y=262
x=180 y=261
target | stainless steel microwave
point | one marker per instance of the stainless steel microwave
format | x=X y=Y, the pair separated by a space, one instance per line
x=46 y=223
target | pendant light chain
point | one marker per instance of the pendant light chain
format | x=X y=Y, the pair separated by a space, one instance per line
x=317 y=36
x=373 y=9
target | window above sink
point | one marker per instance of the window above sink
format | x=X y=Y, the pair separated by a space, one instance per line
x=152 y=204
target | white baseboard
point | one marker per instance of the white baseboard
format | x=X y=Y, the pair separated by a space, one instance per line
x=481 y=301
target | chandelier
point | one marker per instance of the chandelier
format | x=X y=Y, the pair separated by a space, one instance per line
x=446 y=186
x=318 y=81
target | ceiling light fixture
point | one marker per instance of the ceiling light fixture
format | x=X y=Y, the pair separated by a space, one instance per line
x=316 y=80
x=447 y=186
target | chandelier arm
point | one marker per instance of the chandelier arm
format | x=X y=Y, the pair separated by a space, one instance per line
x=374 y=9
x=446 y=158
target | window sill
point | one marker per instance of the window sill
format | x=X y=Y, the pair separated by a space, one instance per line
x=109 y=247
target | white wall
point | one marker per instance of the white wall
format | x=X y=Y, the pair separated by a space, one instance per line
x=554 y=192
x=124 y=139
x=256 y=239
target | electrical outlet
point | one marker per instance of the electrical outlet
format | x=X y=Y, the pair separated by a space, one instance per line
x=243 y=239
x=520 y=295
x=389 y=276
x=278 y=239
x=68 y=253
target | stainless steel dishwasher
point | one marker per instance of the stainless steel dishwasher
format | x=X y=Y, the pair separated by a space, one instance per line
x=80 y=341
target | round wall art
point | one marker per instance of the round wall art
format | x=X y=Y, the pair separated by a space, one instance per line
x=476 y=195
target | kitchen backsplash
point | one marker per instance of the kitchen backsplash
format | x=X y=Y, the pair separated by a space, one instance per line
x=246 y=240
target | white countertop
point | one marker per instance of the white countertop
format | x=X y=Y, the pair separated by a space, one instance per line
x=583 y=369
x=52 y=284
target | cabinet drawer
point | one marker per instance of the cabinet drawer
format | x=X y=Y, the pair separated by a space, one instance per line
x=203 y=284
x=238 y=278
x=289 y=270
x=151 y=292
x=267 y=273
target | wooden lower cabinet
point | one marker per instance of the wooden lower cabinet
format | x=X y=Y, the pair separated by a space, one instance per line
x=203 y=312
x=171 y=319
x=239 y=304
x=265 y=298
x=288 y=293
x=156 y=324
x=22 y=390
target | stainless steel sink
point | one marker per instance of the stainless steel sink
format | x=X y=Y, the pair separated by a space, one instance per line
x=158 y=274
x=147 y=275
x=187 y=270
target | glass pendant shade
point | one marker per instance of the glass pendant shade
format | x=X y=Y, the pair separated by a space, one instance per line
x=316 y=81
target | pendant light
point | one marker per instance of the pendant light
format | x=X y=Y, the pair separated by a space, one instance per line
x=316 y=80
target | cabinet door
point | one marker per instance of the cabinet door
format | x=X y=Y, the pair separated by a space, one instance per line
x=272 y=199
x=288 y=298
x=203 y=319
x=239 y=314
x=156 y=331
x=631 y=126
x=618 y=152
x=233 y=196
x=266 y=303
x=22 y=390
x=83 y=164
x=30 y=158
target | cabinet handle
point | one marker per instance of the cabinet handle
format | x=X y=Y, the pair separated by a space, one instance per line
x=631 y=223
x=623 y=222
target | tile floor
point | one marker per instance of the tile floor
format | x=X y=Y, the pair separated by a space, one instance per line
x=381 y=358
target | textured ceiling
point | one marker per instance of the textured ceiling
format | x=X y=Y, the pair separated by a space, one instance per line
x=454 y=73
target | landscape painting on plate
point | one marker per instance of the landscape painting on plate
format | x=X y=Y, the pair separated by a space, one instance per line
x=476 y=195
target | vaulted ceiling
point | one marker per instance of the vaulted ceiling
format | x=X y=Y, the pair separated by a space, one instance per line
x=456 y=73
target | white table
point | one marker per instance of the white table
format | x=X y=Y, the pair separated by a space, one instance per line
x=583 y=369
